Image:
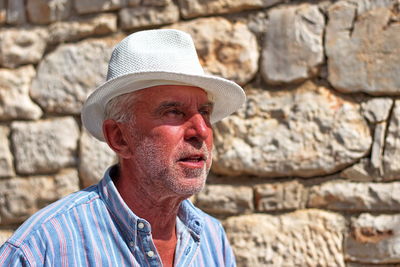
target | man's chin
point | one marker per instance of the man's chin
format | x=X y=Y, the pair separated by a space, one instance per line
x=189 y=186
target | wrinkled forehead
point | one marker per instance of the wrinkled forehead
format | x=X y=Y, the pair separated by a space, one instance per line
x=170 y=91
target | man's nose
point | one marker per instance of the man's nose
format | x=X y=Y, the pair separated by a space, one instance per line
x=197 y=127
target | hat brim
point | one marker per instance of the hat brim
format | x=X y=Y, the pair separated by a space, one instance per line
x=226 y=95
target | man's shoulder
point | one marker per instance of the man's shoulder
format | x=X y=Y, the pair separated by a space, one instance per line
x=54 y=212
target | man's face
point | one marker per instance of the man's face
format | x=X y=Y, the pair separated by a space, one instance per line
x=171 y=138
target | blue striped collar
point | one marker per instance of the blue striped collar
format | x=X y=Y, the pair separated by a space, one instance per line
x=188 y=215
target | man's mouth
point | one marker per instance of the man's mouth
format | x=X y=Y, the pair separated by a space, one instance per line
x=193 y=161
x=194 y=158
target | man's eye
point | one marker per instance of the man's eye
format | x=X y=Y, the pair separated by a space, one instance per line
x=174 y=112
x=206 y=113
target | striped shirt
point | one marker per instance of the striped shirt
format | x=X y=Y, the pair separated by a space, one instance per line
x=94 y=227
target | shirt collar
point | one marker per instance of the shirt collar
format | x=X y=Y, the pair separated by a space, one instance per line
x=188 y=214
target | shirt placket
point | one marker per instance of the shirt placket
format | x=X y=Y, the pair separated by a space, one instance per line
x=145 y=247
x=187 y=246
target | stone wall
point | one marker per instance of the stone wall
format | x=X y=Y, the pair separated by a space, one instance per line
x=307 y=173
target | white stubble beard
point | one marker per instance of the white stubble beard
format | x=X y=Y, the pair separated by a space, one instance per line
x=166 y=172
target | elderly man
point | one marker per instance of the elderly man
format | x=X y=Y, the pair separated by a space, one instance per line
x=155 y=111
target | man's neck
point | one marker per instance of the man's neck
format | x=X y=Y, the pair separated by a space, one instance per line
x=158 y=209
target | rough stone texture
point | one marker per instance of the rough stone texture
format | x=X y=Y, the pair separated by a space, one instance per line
x=14 y=94
x=21 y=197
x=133 y=2
x=347 y=196
x=376 y=110
x=94 y=158
x=367 y=5
x=155 y=2
x=93 y=6
x=226 y=199
x=3 y=12
x=224 y=47
x=21 y=46
x=293 y=47
x=194 y=8
x=16 y=12
x=67 y=75
x=318 y=130
x=377 y=147
x=302 y=238
x=6 y=158
x=47 y=11
x=146 y=16
x=279 y=196
x=81 y=28
x=374 y=239
x=355 y=264
x=256 y=22
x=364 y=45
x=44 y=146
x=361 y=171
x=391 y=155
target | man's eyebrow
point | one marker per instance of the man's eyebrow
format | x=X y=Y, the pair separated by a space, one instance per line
x=166 y=105
x=173 y=104
x=169 y=104
x=209 y=104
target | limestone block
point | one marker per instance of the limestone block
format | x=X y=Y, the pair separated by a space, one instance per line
x=361 y=171
x=356 y=264
x=374 y=239
x=350 y=196
x=293 y=48
x=5 y=234
x=16 y=12
x=301 y=238
x=6 y=159
x=195 y=8
x=377 y=146
x=83 y=27
x=226 y=199
x=93 y=6
x=391 y=154
x=47 y=11
x=257 y=23
x=14 y=94
x=3 y=11
x=145 y=16
x=305 y=131
x=377 y=109
x=225 y=49
x=94 y=158
x=21 y=197
x=367 y=5
x=66 y=76
x=155 y=2
x=362 y=48
x=44 y=146
x=279 y=196
x=133 y=2
x=66 y=182
x=22 y=45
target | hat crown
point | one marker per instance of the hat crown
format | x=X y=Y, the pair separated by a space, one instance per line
x=155 y=51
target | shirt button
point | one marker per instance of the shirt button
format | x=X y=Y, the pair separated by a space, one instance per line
x=140 y=225
x=132 y=244
x=150 y=254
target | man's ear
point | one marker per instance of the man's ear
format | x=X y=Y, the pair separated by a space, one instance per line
x=115 y=138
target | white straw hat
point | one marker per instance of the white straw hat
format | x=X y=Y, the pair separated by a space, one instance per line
x=158 y=57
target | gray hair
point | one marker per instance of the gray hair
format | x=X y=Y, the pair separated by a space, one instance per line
x=120 y=108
